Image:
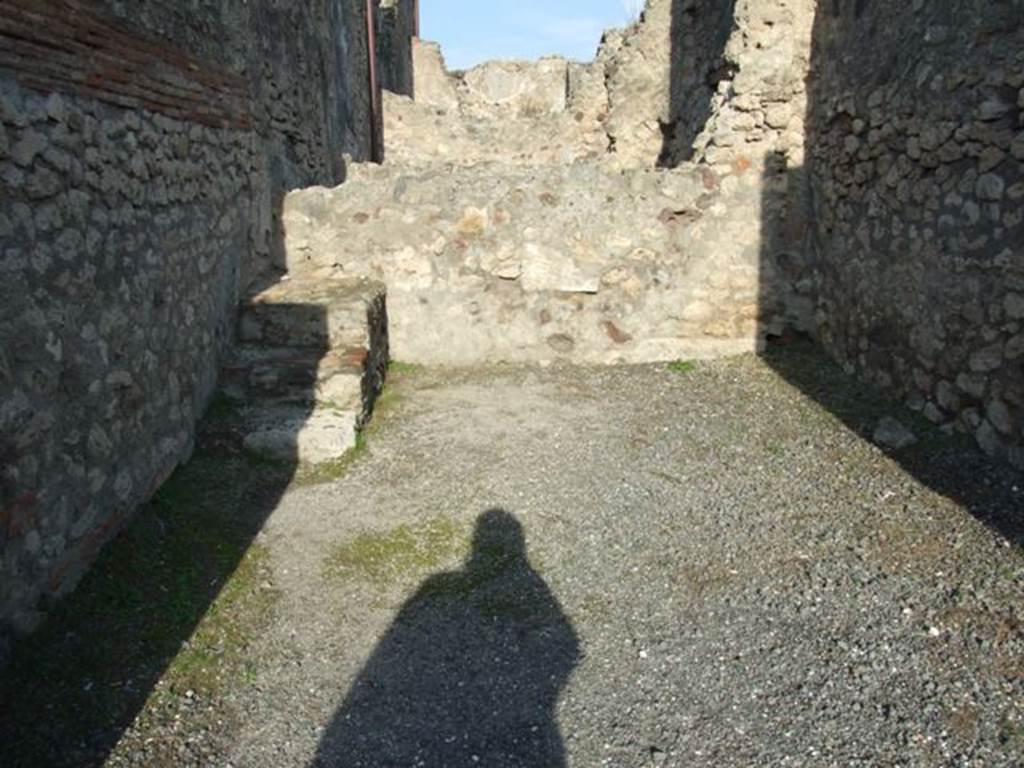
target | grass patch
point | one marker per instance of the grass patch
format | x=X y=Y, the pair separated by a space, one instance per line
x=494 y=575
x=398 y=368
x=216 y=651
x=386 y=404
x=170 y=606
x=682 y=366
x=1011 y=733
x=491 y=562
x=383 y=557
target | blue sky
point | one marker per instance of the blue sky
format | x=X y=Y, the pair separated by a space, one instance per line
x=471 y=31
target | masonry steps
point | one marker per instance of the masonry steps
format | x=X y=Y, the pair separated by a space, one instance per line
x=310 y=364
x=299 y=375
x=330 y=314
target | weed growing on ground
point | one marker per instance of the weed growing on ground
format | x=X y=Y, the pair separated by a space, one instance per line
x=381 y=557
x=398 y=368
x=682 y=366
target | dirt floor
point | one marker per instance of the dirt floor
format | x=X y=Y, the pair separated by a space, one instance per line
x=694 y=564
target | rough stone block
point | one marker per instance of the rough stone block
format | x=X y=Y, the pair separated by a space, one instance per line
x=524 y=87
x=545 y=270
x=893 y=434
x=433 y=85
x=305 y=313
x=291 y=435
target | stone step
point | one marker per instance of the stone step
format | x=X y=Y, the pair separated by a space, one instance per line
x=299 y=375
x=311 y=362
x=296 y=434
x=324 y=314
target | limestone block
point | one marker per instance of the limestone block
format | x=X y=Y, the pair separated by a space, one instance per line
x=988 y=358
x=291 y=435
x=545 y=269
x=1017 y=147
x=1015 y=347
x=342 y=389
x=25 y=150
x=1000 y=416
x=990 y=187
x=528 y=88
x=413 y=269
x=778 y=115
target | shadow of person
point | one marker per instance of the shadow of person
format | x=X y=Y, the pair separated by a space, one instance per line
x=469 y=672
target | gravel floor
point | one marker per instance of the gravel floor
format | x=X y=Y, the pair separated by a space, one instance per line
x=638 y=567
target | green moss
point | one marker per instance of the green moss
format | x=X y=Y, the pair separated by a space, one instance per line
x=381 y=557
x=489 y=564
x=387 y=403
x=1011 y=733
x=218 y=646
x=384 y=408
x=597 y=605
x=170 y=606
x=398 y=368
x=682 y=366
x=414 y=552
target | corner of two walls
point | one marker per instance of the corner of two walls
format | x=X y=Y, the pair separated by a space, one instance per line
x=133 y=213
x=727 y=92
x=891 y=211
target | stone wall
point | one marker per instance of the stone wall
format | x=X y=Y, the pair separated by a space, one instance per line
x=889 y=222
x=520 y=215
x=916 y=153
x=545 y=112
x=304 y=72
x=583 y=262
x=708 y=80
x=145 y=148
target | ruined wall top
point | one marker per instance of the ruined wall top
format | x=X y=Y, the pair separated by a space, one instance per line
x=700 y=79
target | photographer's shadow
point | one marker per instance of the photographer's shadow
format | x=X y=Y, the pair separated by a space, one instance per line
x=468 y=674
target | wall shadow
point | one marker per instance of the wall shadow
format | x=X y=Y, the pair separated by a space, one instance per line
x=700 y=32
x=396 y=26
x=948 y=463
x=470 y=671
x=170 y=602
